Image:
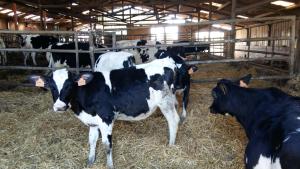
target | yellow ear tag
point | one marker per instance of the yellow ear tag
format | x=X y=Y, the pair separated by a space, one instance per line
x=81 y=82
x=39 y=83
x=243 y=84
x=191 y=71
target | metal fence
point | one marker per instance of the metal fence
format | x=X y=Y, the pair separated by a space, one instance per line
x=289 y=58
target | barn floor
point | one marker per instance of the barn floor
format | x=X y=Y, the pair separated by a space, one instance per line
x=32 y=136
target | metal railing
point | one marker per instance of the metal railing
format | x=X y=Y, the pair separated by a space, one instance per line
x=92 y=50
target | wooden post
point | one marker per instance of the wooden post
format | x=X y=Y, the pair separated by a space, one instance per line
x=77 y=54
x=248 y=42
x=297 y=64
x=45 y=19
x=209 y=29
x=14 y=8
x=91 y=49
x=42 y=25
x=292 y=46
x=232 y=32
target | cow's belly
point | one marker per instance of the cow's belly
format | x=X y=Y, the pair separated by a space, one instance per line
x=143 y=109
x=88 y=119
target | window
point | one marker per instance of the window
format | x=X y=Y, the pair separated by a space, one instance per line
x=215 y=48
x=160 y=33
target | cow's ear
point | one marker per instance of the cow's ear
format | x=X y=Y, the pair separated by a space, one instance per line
x=244 y=81
x=192 y=69
x=223 y=88
x=84 y=79
x=37 y=80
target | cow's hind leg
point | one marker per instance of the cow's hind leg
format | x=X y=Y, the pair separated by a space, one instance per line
x=169 y=111
x=93 y=137
x=106 y=134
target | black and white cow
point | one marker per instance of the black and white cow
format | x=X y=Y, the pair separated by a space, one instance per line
x=35 y=42
x=114 y=60
x=117 y=60
x=3 y=57
x=271 y=119
x=141 y=55
x=100 y=98
x=184 y=50
x=183 y=82
x=57 y=58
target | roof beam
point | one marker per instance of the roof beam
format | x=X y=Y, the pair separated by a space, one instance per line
x=224 y=5
x=253 y=6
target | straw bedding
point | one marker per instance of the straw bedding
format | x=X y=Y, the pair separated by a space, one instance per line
x=32 y=136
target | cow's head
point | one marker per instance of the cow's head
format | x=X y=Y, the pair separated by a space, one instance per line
x=183 y=72
x=143 y=51
x=53 y=40
x=221 y=94
x=21 y=39
x=62 y=85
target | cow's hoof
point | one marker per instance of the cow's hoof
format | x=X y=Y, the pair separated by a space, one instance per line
x=110 y=167
x=90 y=161
x=182 y=119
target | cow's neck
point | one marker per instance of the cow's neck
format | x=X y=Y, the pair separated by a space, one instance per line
x=243 y=103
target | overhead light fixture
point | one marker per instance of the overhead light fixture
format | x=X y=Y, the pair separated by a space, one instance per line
x=175 y=21
x=74 y=4
x=1 y=8
x=214 y=4
x=49 y=19
x=5 y=11
x=68 y=7
x=283 y=3
x=242 y=16
x=86 y=12
x=12 y=13
x=203 y=11
x=222 y=26
x=29 y=16
x=35 y=18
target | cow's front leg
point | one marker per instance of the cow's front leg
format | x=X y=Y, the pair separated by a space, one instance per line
x=106 y=133
x=93 y=137
x=25 y=58
x=258 y=154
x=185 y=101
x=33 y=54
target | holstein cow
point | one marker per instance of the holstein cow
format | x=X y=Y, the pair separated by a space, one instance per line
x=271 y=119
x=117 y=60
x=69 y=59
x=141 y=55
x=35 y=42
x=183 y=81
x=114 y=60
x=3 y=58
x=100 y=98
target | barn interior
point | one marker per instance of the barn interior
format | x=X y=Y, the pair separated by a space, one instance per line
x=257 y=37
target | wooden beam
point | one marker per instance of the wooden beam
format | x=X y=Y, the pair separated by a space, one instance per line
x=14 y=8
x=42 y=25
x=253 y=6
x=224 y=5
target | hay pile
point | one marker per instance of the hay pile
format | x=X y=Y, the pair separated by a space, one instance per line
x=32 y=136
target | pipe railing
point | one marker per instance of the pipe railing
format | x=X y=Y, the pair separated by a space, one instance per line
x=92 y=50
